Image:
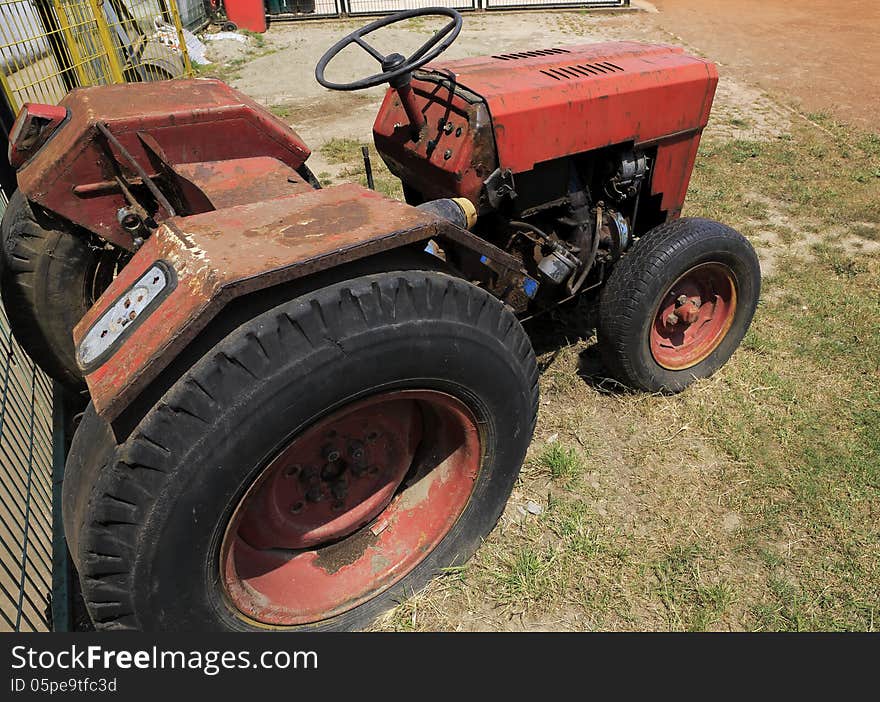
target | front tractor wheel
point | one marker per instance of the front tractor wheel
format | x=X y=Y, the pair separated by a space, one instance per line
x=318 y=465
x=676 y=307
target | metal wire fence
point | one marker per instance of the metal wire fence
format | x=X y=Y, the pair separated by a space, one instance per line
x=304 y=9
x=26 y=488
x=376 y=7
x=48 y=47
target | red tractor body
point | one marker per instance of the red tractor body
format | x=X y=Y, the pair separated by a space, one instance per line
x=207 y=133
x=549 y=104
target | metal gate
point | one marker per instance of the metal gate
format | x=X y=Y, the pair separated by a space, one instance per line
x=193 y=14
x=307 y=9
x=380 y=7
x=536 y=4
x=303 y=9
x=48 y=47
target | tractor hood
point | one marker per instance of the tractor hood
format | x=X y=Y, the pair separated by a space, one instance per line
x=549 y=103
x=512 y=111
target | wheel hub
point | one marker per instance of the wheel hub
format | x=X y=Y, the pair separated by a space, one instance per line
x=350 y=506
x=693 y=316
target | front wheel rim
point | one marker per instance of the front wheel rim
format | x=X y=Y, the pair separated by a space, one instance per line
x=693 y=316
x=349 y=507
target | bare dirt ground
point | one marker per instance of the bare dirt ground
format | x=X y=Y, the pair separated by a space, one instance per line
x=819 y=54
x=749 y=501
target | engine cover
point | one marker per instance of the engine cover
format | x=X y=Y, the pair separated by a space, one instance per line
x=550 y=103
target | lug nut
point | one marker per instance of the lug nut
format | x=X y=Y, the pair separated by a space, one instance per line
x=356 y=450
x=672 y=319
x=332 y=471
x=314 y=494
x=681 y=300
x=292 y=470
x=296 y=508
x=339 y=489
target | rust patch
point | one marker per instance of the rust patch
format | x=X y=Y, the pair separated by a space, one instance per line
x=286 y=238
x=336 y=556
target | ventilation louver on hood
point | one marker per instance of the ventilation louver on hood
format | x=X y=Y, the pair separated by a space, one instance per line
x=581 y=70
x=530 y=54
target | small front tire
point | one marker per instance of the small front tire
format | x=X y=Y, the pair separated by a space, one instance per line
x=677 y=306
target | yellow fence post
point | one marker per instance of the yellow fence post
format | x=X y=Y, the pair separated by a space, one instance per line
x=70 y=43
x=4 y=85
x=116 y=73
x=175 y=15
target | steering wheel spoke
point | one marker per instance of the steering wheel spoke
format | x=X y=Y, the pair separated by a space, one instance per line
x=369 y=48
x=432 y=42
x=396 y=69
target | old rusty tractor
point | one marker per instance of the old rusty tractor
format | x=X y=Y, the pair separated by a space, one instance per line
x=306 y=401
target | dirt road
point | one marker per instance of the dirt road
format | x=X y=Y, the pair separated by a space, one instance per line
x=823 y=55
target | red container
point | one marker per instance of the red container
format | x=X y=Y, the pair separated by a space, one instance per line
x=247 y=14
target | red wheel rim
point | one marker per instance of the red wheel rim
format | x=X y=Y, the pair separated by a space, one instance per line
x=349 y=507
x=693 y=316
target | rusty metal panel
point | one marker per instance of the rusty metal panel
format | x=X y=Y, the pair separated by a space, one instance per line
x=243 y=180
x=455 y=151
x=223 y=254
x=191 y=120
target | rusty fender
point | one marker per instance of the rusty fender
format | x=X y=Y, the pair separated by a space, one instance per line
x=185 y=274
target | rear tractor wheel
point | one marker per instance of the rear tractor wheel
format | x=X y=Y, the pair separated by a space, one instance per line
x=49 y=278
x=319 y=464
x=678 y=305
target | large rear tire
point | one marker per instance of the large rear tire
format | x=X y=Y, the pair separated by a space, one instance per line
x=359 y=438
x=50 y=278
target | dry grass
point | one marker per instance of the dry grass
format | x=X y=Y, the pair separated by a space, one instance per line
x=751 y=500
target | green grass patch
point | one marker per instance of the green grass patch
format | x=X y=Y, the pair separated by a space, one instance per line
x=347 y=153
x=563 y=462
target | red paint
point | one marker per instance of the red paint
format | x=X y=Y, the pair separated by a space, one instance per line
x=560 y=102
x=33 y=126
x=247 y=14
x=222 y=254
x=283 y=567
x=192 y=121
x=693 y=316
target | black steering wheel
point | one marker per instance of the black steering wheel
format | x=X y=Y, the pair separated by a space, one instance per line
x=395 y=67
